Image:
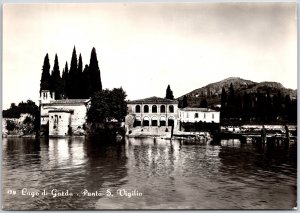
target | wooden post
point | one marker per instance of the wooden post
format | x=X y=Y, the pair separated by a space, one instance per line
x=287 y=135
x=263 y=134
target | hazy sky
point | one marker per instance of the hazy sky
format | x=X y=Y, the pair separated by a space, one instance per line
x=144 y=47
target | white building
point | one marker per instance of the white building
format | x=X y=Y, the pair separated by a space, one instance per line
x=62 y=116
x=154 y=112
x=193 y=115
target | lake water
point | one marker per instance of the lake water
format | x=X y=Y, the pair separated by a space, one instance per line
x=159 y=174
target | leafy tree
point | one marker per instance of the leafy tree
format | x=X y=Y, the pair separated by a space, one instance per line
x=169 y=93
x=118 y=104
x=107 y=105
x=94 y=73
x=45 y=78
x=10 y=125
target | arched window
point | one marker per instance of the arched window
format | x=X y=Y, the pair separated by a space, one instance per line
x=171 y=108
x=154 y=109
x=154 y=121
x=146 y=108
x=146 y=121
x=162 y=109
x=137 y=108
x=170 y=121
x=162 y=121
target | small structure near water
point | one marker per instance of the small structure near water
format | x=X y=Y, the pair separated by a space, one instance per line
x=62 y=117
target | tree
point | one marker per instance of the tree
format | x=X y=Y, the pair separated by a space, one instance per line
x=107 y=105
x=223 y=102
x=169 y=93
x=203 y=103
x=78 y=79
x=45 y=78
x=94 y=73
x=65 y=80
x=86 y=85
x=72 y=81
x=184 y=102
x=118 y=104
x=56 y=80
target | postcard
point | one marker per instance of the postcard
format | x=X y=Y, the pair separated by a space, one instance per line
x=147 y=106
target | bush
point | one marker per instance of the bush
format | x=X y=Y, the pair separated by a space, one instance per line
x=10 y=125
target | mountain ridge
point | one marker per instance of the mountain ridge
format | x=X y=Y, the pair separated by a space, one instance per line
x=212 y=92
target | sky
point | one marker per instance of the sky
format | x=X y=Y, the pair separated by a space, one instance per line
x=143 y=47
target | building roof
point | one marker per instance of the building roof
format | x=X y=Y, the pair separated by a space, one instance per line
x=153 y=100
x=68 y=102
x=187 y=109
x=61 y=110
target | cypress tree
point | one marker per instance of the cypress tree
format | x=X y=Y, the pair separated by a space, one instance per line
x=86 y=86
x=184 y=102
x=169 y=93
x=72 y=84
x=203 y=103
x=78 y=85
x=65 y=80
x=94 y=73
x=45 y=78
x=56 y=81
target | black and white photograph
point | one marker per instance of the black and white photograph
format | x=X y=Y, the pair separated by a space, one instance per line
x=149 y=106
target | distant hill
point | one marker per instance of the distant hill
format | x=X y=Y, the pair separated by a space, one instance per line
x=212 y=92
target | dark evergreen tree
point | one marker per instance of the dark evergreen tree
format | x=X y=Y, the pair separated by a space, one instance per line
x=94 y=73
x=231 y=97
x=184 y=102
x=203 y=103
x=56 y=81
x=72 y=76
x=246 y=107
x=223 y=103
x=169 y=93
x=45 y=78
x=65 y=80
x=78 y=79
x=86 y=85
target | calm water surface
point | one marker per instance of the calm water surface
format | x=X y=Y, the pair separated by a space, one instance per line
x=168 y=174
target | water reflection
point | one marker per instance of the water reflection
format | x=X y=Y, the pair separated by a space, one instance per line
x=176 y=175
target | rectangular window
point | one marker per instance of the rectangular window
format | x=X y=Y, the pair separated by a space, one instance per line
x=204 y=115
x=213 y=116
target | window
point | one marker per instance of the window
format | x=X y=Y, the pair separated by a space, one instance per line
x=171 y=108
x=162 y=109
x=51 y=116
x=59 y=116
x=137 y=108
x=154 y=109
x=154 y=121
x=196 y=115
x=213 y=116
x=204 y=116
x=146 y=108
